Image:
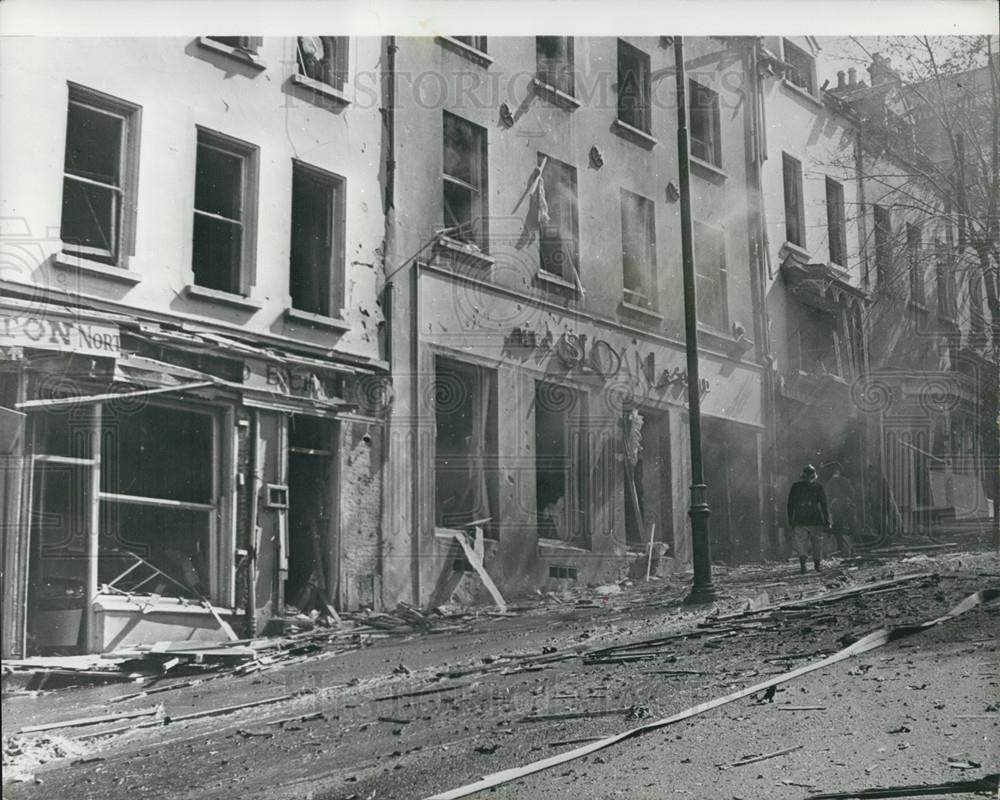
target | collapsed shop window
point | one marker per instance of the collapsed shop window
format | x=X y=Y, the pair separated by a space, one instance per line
x=465 y=445
x=465 y=181
x=561 y=465
x=883 y=243
x=634 y=87
x=98 y=176
x=554 y=62
x=223 y=208
x=710 y=274
x=706 y=124
x=801 y=69
x=158 y=498
x=836 y=226
x=557 y=218
x=795 y=219
x=914 y=244
x=317 y=228
x=323 y=58
x=638 y=250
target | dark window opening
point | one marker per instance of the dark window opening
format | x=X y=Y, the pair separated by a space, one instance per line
x=94 y=180
x=558 y=231
x=465 y=446
x=475 y=42
x=795 y=223
x=914 y=245
x=219 y=214
x=566 y=573
x=836 y=225
x=315 y=216
x=561 y=465
x=883 y=243
x=710 y=274
x=800 y=67
x=323 y=58
x=634 y=88
x=638 y=250
x=554 y=59
x=647 y=510
x=817 y=348
x=706 y=124
x=465 y=181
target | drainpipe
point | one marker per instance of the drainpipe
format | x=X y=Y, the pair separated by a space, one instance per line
x=702 y=590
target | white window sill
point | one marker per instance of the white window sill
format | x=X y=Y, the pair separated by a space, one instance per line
x=339 y=96
x=465 y=252
x=316 y=320
x=471 y=53
x=96 y=268
x=223 y=298
x=708 y=170
x=634 y=308
x=797 y=253
x=237 y=54
x=557 y=96
x=800 y=92
x=555 y=280
x=636 y=135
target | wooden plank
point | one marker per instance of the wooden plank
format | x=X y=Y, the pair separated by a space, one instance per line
x=223 y=625
x=766 y=756
x=477 y=565
x=82 y=721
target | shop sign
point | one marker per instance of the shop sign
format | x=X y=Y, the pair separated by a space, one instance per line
x=289 y=381
x=64 y=334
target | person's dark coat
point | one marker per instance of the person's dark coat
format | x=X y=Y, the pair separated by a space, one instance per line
x=807 y=504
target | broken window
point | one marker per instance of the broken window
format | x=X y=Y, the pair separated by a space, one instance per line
x=99 y=133
x=914 y=243
x=221 y=212
x=465 y=181
x=317 y=203
x=558 y=231
x=638 y=250
x=475 y=42
x=634 y=88
x=706 y=124
x=816 y=342
x=465 y=445
x=795 y=222
x=323 y=58
x=561 y=464
x=836 y=226
x=801 y=67
x=554 y=60
x=883 y=243
x=710 y=274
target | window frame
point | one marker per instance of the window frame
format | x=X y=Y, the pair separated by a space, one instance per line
x=249 y=155
x=836 y=222
x=644 y=206
x=789 y=48
x=883 y=246
x=125 y=193
x=712 y=145
x=719 y=233
x=336 y=186
x=641 y=118
x=480 y=192
x=795 y=221
x=550 y=80
x=572 y=273
x=338 y=69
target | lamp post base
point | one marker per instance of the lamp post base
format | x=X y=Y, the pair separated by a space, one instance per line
x=701 y=595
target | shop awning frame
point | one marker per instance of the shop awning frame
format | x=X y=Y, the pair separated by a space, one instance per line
x=56 y=402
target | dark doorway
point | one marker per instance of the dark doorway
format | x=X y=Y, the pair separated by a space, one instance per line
x=651 y=477
x=311 y=473
x=729 y=453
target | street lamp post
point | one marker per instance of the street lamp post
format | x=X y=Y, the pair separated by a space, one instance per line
x=702 y=590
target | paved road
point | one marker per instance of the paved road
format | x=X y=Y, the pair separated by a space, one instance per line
x=411 y=747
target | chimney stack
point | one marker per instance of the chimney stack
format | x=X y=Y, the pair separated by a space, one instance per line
x=841 y=79
x=852 y=77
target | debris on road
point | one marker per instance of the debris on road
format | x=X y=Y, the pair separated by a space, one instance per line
x=988 y=783
x=765 y=757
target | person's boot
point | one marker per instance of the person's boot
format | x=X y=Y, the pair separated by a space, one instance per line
x=802 y=564
x=815 y=565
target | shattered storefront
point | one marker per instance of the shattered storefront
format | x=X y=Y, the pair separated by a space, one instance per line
x=560 y=440
x=163 y=484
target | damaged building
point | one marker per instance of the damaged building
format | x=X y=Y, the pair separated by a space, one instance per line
x=189 y=338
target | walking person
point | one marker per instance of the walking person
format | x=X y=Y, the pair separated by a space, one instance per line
x=840 y=493
x=808 y=517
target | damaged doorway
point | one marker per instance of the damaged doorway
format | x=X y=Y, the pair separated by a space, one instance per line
x=561 y=465
x=650 y=476
x=312 y=554
x=465 y=445
x=730 y=458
